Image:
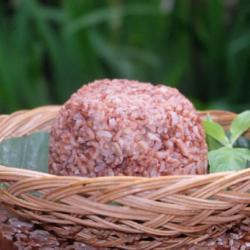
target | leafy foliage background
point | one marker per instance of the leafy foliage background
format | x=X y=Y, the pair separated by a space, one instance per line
x=48 y=49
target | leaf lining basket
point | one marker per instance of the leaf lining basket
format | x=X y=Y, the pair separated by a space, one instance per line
x=124 y=212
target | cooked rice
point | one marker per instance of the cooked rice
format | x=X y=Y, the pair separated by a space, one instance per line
x=123 y=127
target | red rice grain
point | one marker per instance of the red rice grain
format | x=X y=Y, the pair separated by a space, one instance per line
x=123 y=127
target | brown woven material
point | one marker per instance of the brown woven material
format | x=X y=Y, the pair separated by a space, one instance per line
x=125 y=212
x=18 y=234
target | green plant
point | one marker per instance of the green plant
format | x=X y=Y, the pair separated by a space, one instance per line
x=224 y=154
x=47 y=51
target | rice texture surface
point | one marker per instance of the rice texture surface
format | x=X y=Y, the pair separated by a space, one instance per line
x=124 y=127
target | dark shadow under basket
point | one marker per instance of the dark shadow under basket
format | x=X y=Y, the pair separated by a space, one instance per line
x=124 y=212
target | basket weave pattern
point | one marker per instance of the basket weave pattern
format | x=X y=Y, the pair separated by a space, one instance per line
x=124 y=212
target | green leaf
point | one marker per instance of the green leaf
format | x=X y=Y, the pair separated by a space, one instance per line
x=239 y=125
x=212 y=143
x=228 y=159
x=108 y=14
x=215 y=131
x=29 y=152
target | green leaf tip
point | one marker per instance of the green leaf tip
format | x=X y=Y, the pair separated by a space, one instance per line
x=240 y=125
x=216 y=131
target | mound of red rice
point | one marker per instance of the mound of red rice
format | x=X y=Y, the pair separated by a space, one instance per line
x=122 y=127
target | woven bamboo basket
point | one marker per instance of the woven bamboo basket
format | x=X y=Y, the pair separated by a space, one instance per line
x=124 y=212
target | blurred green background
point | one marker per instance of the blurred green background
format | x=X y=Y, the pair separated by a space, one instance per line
x=48 y=49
